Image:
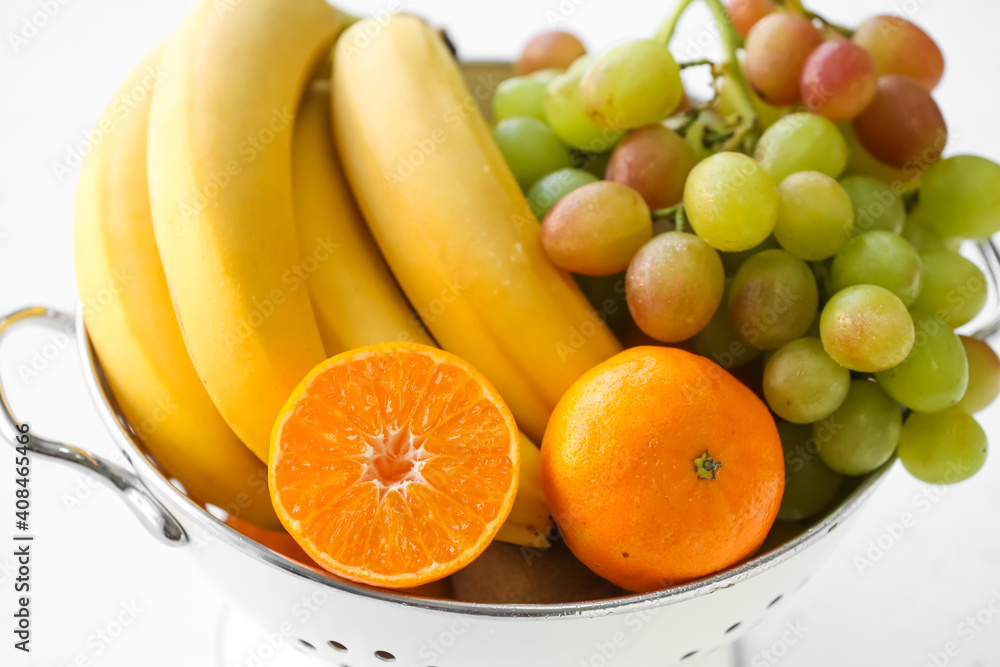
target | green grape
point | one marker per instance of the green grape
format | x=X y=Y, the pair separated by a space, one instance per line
x=549 y=189
x=866 y=328
x=730 y=202
x=879 y=258
x=634 y=84
x=919 y=235
x=801 y=142
x=582 y=64
x=942 y=448
x=876 y=204
x=862 y=433
x=923 y=236
x=954 y=289
x=565 y=115
x=961 y=197
x=597 y=229
x=544 y=76
x=674 y=285
x=934 y=374
x=719 y=341
x=810 y=485
x=815 y=216
x=522 y=96
x=802 y=384
x=773 y=299
x=530 y=148
x=984 y=375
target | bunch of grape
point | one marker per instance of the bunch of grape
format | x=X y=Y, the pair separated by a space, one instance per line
x=799 y=228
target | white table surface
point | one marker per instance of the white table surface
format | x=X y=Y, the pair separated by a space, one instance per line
x=105 y=594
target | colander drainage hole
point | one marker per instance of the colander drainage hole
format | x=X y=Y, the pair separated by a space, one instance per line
x=307 y=645
x=689 y=655
x=733 y=627
x=775 y=601
x=385 y=656
x=337 y=646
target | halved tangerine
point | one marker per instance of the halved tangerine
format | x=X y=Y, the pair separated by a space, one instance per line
x=394 y=464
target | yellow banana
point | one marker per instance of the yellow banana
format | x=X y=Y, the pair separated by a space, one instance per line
x=530 y=520
x=132 y=325
x=451 y=221
x=355 y=297
x=220 y=187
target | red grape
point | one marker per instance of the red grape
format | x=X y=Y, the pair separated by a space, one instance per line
x=899 y=47
x=596 y=229
x=776 y=51
x=655 y=161
x=553 y=49
x=745 y=13
x=773 y=299
x=674 y=285
x=903 y=126
x=838 y=80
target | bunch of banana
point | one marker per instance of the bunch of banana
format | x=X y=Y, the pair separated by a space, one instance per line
x=530 y=521
x=220 y=141
x=451 y=221
x=354 y=296
x=245 y=261
x=132 y=326
x=357 y=301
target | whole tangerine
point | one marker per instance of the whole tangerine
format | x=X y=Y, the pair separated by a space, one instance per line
x=660 y=467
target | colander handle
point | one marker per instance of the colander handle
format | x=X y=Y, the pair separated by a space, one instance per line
x=151 y=513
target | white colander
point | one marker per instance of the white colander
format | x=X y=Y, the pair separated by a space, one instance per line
x=351 y=626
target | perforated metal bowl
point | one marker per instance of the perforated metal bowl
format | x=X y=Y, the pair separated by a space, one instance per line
x=353 y=626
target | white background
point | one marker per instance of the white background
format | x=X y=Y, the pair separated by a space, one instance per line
x=94 y=566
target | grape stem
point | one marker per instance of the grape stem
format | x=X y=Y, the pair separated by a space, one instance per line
x=796 y=6
x=682 y=122
x=676 y=211
x=669 y=27
x=661 y=213
x=696 y=63
x=747 y=128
